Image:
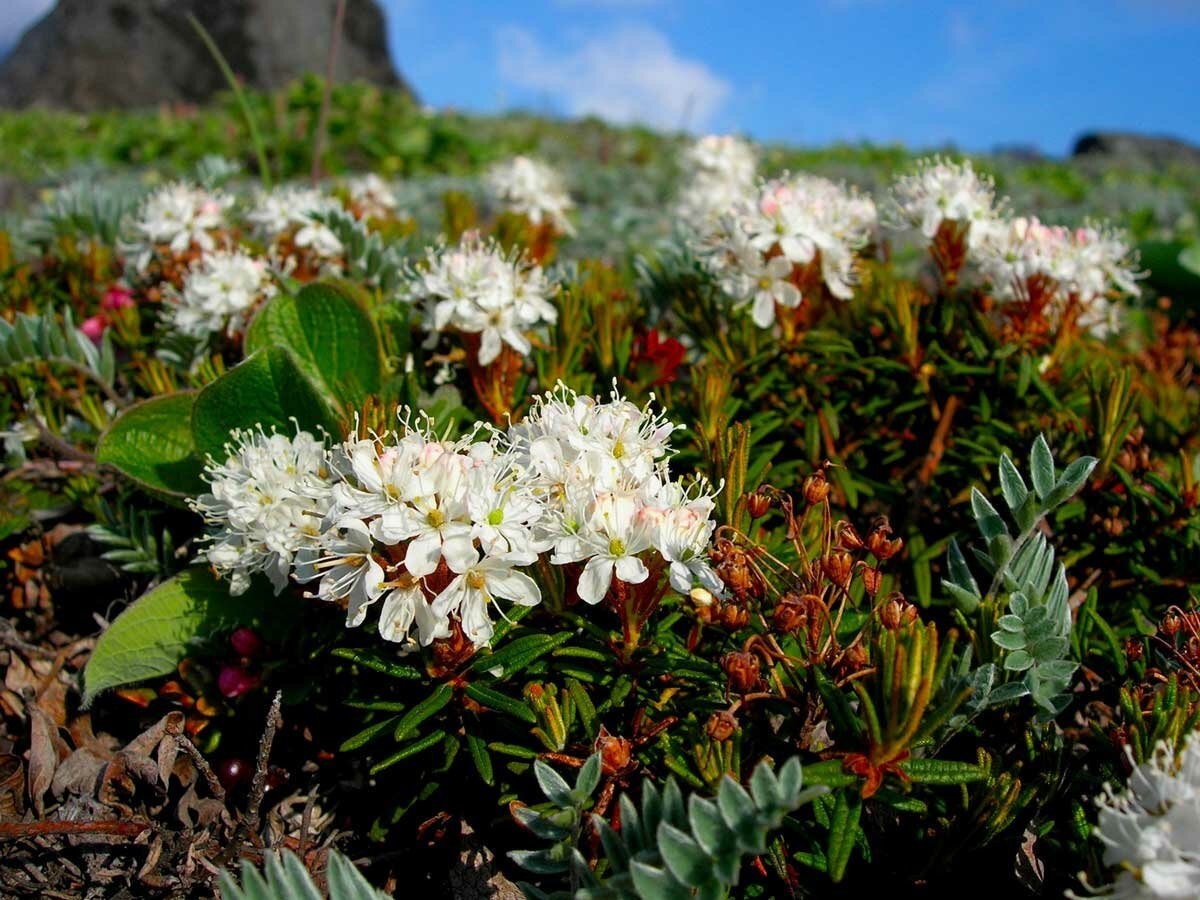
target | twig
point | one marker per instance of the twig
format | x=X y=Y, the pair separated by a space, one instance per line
x=937 y=446
x=326 y=95
x=259 y=785
x=56 y=443
x=185 y=744
x=120 y=827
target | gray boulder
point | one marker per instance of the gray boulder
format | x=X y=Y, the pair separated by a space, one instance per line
x=1136 y=149
x=98 y=54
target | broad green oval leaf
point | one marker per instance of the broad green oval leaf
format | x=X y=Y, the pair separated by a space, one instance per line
x=162 y=627
x=331 y=335
x=266 y=389
x=151 y=444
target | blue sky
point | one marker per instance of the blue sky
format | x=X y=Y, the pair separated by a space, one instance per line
x=924 y=73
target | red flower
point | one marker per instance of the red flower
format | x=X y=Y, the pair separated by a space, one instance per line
x=657 y=358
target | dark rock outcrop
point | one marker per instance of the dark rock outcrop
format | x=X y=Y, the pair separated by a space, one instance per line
x=98 y=54
x=1137 y=149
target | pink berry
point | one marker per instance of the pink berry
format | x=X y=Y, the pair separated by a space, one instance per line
x=234 y=681
x=246 y=642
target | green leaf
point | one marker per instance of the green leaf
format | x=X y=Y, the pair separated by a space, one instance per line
x=1018 y=661
x=500 y=702
x=430 y=740
x=685 y=859
x=368 y=734
x=477 y=747
x=553 y=785
x=1041 y=467
x=331 y=335
x=656 y=883
x=161 y=628
x=266 y=389
x=518 y=654
x=991 y=526
x=151 y=444
x=423 y=710
x=942 y=771
x=843 y=829
x=369 y=660
x=1012 y=485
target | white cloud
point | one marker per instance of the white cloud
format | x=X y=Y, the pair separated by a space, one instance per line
x=17 y=15
x=630 y=74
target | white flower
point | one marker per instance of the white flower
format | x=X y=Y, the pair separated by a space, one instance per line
x=532 y=189
x=798 y=219
x=220 y=291
x=344 y=562
x=1078 y=270
x=405 y=605
x=291 y=212
x=267 y=501
x=610 y=542
x=475 y=288
x=179 y=216
x=1152 y=829
x=371 y=197
x=719 y=171
x=943 y=191
x=476 y=586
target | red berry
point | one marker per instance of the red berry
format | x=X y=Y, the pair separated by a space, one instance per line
x=246 y=642
x=234 y=681
x=231 y=772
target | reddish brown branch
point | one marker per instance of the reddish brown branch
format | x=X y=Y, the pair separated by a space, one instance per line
x=119 y=827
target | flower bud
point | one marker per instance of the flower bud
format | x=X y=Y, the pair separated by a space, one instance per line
x=1171 y=623
x=872 y=579
x=838 y=567
x=721 y=726
x=847 y=537
x=816 y=488
x=615 y=751
x=790 y=613
x=758 y=503
x=878 y=541
x=742 y=669
x=896 y=614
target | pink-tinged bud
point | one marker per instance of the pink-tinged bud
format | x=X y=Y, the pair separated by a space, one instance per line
x=233 y=682
x=246 y=642
x=117 y=297
x=94 y=328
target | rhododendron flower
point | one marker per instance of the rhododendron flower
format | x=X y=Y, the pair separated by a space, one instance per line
x=476 y=288
x=178 y=216
x=220 y=291
x=719 y=170
x=1151 y=831
x=532 y=189
x=439 y=530
x=942 y=191
x=267 y=500
x=798 y=220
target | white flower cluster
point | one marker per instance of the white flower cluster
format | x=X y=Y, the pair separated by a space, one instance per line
x=533 y=189
x=1017 y=258
x=941 y=191
x=1152 y=829
x=178 y=216
x=756 y=248
x=1079 y=267
x=720 y=170
x=371 y=197
x=220 y=291
x=267 y=500
x=291 y=211
x=438 y=529
x=476 y=288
